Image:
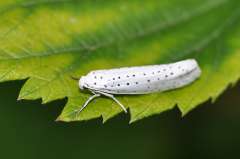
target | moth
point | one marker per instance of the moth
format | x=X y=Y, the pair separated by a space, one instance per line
x=139 y=80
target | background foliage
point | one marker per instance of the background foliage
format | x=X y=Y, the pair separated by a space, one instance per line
x=48 y=41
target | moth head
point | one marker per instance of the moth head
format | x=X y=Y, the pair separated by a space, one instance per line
x=82 y=83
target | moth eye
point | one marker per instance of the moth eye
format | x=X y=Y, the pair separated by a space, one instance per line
x=119 y=77
x=172 y=73
x=118 y=85
x=95 y=83
x=128 y=84
x=148 y=80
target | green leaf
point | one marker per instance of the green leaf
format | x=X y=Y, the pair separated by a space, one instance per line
x=48 y=41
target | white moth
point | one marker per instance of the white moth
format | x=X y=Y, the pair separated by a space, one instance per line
x=139 y=80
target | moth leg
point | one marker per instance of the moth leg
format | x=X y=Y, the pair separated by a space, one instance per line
x=117 y=101
x=95 y=95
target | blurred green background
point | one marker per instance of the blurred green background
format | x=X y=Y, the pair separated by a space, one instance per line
x=28 y=131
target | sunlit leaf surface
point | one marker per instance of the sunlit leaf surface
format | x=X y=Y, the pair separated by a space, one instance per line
x=48 y=41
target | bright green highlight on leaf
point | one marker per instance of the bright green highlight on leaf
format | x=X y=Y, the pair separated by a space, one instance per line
x=48 y=41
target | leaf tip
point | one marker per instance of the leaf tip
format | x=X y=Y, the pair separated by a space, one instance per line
x=19 y=98
x=59 y=119
x=104 y=120
x=44 y=101
x=132 y=120
x=183 y=112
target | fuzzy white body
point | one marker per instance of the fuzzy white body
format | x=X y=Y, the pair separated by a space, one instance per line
x=142 y=79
